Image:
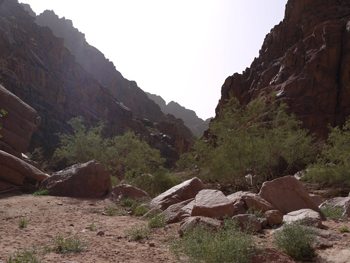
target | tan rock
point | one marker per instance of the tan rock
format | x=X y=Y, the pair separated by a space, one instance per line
x=274 y=217
x=287 y=194
x=181 y=192
x=212 y=203
x=190 y=223
x=306 y=217
x=175 y=213
x=89 y=180
x=128 y=191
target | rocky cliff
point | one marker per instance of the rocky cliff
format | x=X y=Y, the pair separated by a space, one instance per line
x=190 y=118
x=36 y=67
x=305 y=60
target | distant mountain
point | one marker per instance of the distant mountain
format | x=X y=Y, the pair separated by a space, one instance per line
x=305 y=61
x=190 y=118
x=60 y=83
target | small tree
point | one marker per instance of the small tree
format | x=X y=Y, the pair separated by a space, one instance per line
x=125 y=154
x=333 y=164
x=259 y=138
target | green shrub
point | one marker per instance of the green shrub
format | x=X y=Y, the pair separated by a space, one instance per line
x=140 y=210
x=26 y=256
x=333 y=165
x=113 y=210
x=92 y=227
x=228 y=245
x=157 y=221
x=156 y=183
x=121 y=155
x=67 y=245
x=23 y=223
x=41 y=192
x=332 y=212
x=344 y=229
x=296 y=241
x=259 y=138
x=138 y=233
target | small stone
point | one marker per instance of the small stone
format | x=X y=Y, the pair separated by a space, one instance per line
x=100 y=233
x=151 y=244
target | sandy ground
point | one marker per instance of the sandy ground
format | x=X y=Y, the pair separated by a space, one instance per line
x=49 y=217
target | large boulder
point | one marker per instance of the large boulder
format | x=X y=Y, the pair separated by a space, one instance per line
x=19 y=123
x=273 y=217
x=128 y=191
x=212 y=203
x=16 y=172
x=306 y=217
x=89 y=180
x=287 y=194
x=342 y=203
x=181 y=192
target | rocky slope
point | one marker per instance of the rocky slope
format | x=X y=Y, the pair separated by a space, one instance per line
x=305 y=60
x=190 y=118
x=36 y=67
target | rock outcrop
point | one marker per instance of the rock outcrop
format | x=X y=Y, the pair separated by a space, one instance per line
x=305 y=61
x=36 y=66
x=89 y=180
x=18 y=124
x=190 y=118
x=17 y=174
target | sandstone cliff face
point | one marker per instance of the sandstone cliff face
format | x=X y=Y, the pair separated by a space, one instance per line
x=36 y=67
x=190 y=118
x=305 y=60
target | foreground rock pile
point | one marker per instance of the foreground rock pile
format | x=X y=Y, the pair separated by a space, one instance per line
x=283 y=200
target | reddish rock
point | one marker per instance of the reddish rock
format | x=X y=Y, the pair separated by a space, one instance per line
x=239 y=207
x=128 y=191
x=176 y=212
x=274 y=217
x=20 y=122
x=306 y=217
x=318 y=200
x=212 y=203
x=305 y=60
x=199 y=221
x=181 y=192
x=248 y=222
x=251 y=200
x=89 y=180
x=17 y=172
x=287 y=194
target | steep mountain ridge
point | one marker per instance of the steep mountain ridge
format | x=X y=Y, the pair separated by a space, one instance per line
x=36 y=67
x=305 y=61
x=190 y=118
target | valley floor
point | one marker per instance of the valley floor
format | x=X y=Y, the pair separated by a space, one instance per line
x=49 y=217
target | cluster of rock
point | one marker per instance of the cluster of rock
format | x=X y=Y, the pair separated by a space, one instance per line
x=283 y=200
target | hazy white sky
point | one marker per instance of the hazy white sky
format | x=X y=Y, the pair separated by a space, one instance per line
x=182 y=50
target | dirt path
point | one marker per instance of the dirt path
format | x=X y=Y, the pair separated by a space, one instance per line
x=49 y=217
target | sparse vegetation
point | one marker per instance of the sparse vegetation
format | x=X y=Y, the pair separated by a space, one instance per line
x=140 y=210
x=344 y=229
x=41 y=192
x=92 y=227
x=138 y=233
x=67 y=245
x=25 y=256
x=259 y=138
x=113 y=210
x=332 y=212
x=333 y=165
x=157 y=221
x=23 y=223
x=296 y=240
x=228 y=245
